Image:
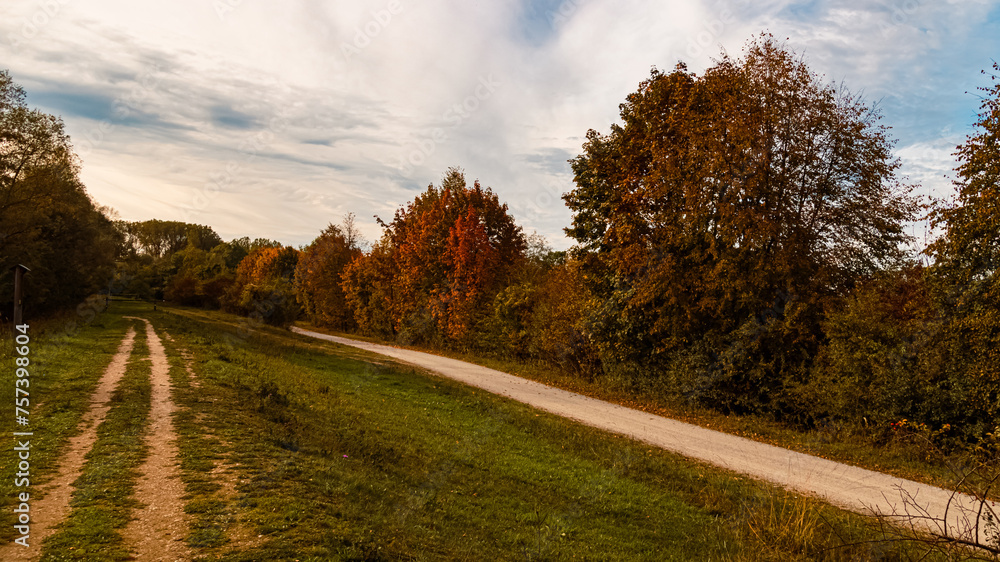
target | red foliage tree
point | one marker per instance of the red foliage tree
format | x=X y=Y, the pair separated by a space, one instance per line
x=440 y=260
x=472 y=266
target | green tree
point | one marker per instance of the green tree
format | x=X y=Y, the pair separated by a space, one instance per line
x=966 y=259
x=47 y=220
x=371 y=293
x=161 y=239
x=200 y=277
x=881 y=361
x=557 y=328
x=724 y=213
x=177 y=261
x=36 y=159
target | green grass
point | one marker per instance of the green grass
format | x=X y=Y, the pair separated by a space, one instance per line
x=336 y=454
x=68 y=356
x=906 y=457
x=383 y=462
x=103 y=503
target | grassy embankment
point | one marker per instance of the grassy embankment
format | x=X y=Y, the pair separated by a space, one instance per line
x=295 y=449
x=906 y=455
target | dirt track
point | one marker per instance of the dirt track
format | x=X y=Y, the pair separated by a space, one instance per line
x=853 y=488
x=159 y=528
x=53 y=507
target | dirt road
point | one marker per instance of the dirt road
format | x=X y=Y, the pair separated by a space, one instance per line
x=160 y=527
x=853 y=488
x=53 y=507
x=158 y=531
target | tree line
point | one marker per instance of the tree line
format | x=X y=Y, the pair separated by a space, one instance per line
x=739 y=239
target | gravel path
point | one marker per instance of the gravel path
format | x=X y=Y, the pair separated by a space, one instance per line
x=853 y=488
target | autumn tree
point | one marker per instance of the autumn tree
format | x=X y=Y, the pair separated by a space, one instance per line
x=966 y=260
x=716 y=222
x=240 y=248
x=264 y=288
x=440 y=259
x=319 y=275
x=371 y=293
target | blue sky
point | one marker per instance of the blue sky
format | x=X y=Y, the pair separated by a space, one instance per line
x=268 y=119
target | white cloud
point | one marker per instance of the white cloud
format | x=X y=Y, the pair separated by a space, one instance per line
x=317 y=108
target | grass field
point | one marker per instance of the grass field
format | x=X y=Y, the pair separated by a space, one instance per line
x=907 y=455
x=296 y=449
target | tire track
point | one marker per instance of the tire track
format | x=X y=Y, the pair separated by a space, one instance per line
x=53 y=507
x=160 y=528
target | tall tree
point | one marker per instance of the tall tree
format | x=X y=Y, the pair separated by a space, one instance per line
x=47 y=220
x=967 y=258
x=723 y=213
x=471 y=272
x=36 y=159
x=181 y=262
x=264 y=287
x=371 y=291
x=161 y=239
x=319 y=276
x=445 y=255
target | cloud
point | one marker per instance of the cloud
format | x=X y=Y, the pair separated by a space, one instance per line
x=275 y=119
x=228 y=117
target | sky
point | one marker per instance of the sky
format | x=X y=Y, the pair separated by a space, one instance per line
x=274 y=119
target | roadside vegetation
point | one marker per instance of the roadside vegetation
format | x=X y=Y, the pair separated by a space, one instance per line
x=704 y=278
x=294 y=449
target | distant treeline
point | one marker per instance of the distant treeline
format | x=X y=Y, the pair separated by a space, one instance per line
x=740 y=244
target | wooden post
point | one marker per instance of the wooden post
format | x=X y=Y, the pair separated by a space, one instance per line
x=19 y=271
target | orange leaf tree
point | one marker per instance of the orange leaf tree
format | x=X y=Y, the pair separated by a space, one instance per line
x=318 y=278
x=264 y=286
x=718 y=219
x=440 y=260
